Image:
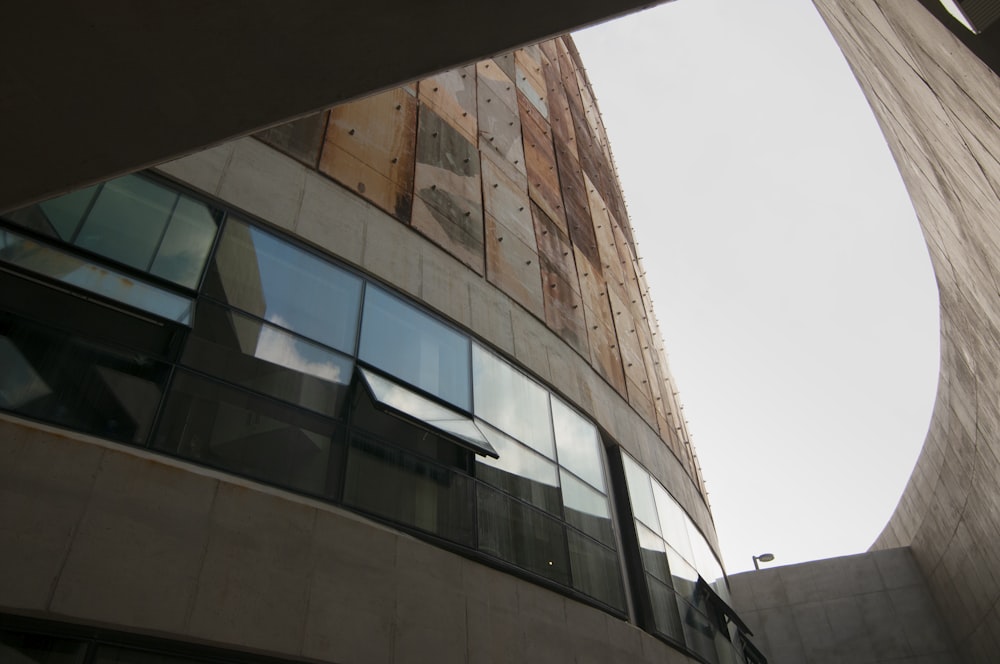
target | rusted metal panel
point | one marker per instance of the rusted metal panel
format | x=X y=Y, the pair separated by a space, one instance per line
x=554 y=247
x=507 y=201
x=513 y=266
x=640 y=401
x=540 y=159
x=448 y=195
x=604 y=237
x=530 y=78
x=559 y=116
x=549 y=50
x=506 y=62
x=369 y=148
x=300 y=139
x=604 y=354
x=628 y=343
x=500 y=122
x=574 y=193
x=592 y=286
x=564 y=310
x=452 y=95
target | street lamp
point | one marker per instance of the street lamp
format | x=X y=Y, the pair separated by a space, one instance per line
x=764 y=558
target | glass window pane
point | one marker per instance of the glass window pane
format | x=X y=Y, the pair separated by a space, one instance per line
x=578 y=445
x=127 y=220
x=665 y=615
x=69 y=269
x=415 y=347
x=217 y=425
x=408 y=489
x=58 y=217
x=511 y=401
x=66 y=380
x=286 y=286
x=683 y=575
x=653 y=553
x=673 y=521
x=704 y=560
x=267 y=359
x=19 y=648
x=433 y=414
x=522 y=535
x=587 y=508
x=181 y=256
x=520 y=471
x=699 y=631
x=595 y=570
x=640 y=494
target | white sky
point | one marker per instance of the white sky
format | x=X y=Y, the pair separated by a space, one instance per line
x=787 y=269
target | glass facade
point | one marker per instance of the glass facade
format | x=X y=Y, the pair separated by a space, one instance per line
x=188 y=330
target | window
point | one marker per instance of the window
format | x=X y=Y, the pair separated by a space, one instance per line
x=415 y=347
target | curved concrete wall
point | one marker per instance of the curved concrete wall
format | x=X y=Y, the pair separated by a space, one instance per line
x=487 y=194
x=939 y=107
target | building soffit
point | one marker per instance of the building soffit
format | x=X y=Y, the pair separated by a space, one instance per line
x=91 y=92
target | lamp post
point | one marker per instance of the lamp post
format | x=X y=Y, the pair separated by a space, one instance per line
x=764 y=558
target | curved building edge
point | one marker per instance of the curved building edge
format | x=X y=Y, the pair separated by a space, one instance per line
x=122 y=538
x=939 y=107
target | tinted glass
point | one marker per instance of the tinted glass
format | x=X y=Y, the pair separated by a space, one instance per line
x=249 y=435
x=286 y=286
x=415 y=347
x=69 y=269
x=39 y=649
x=185 y=246
x=511 y=401
x=653 y=552
x=127 y=220
x=523 y=535
x=641 y=494
x=267 y=359
x=587 y=508
x=410 y=490
x=674 y=522
x=446 y=420
x=69 y=381
x=520 y=471
x=64 y=213
x=699 y=631
x=578 y=444
x=595 y=570
x=665 y=614
x=684 y=577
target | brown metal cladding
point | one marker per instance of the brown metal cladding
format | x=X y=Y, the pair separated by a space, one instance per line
x=301 y=139
x=559 y=115
x=447 y=190
x=513 y=266
x=369 y=148
x=530 y=79
x=507 y=201
x=452 y=95
x=574 y=192
x=540 y=159
x=564 y=309
x=554 y=247
x=500 y=121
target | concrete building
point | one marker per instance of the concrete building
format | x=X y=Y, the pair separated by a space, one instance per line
x=382 y=384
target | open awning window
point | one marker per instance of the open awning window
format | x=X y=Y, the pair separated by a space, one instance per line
x=460 y=427
x=721 y=606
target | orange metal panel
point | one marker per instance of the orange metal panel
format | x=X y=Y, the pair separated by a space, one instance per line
x=574 y=193
x=564 y=311
x=540 y=159
x=301 y=139
x=452 y=95
x=604 y=354
x=513 y=266
x=507 y=201
x=554 y=247
x=369 y=148
x=530 y=78
x=448 y=195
